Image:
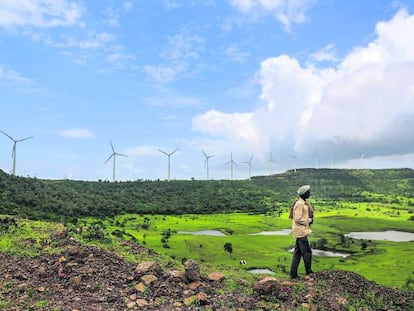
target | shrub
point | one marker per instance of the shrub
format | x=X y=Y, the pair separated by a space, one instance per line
x=7 y=224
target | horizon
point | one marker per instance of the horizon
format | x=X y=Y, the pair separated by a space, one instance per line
x=314 y=84
x=224 y=179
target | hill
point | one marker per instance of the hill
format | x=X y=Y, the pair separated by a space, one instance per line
x=69 y=199
x=70 y=275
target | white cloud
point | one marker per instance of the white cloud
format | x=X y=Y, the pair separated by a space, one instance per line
x=39 y=13
x=77 y=133
x=114 y=14
x=178 y=58
x=235 y=127
x=328 y=53
x=93 y=41
x=364 y=104
x=11 y=76
x=286 y=12
x=119 y=59
x=234 y=53
x=167 y=98
x=174 y=4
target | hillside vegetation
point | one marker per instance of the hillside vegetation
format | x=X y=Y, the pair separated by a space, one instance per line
x=69 y=199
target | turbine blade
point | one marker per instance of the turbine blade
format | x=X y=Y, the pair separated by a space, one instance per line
x=112 y=146
x=205 y=154
x=23 y=139
x=121 y=154
x=7 y=135
x=110 y=157
x=163 y=152
x=174 y=151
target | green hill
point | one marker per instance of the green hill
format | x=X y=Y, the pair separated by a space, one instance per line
x=69 y=199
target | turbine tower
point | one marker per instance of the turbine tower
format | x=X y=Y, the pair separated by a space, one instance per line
x=293 y=156
x=15 y=141
x=316 y=158
x=231 y=162
x=169 y=156
x=206 y=163
x=250 y=166
x=113 y=155
x=362 y=157
x=271 y=163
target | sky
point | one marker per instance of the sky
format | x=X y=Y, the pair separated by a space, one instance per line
x=256 y=86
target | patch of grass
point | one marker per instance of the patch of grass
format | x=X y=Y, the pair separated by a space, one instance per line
x=41 y=303
x=260 y=251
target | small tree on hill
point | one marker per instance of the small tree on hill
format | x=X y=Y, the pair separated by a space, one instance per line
x=228 y=247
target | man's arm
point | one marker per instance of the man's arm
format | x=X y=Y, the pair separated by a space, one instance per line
x=299 y=216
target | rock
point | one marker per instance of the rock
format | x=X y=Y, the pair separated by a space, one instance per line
x=202 y=298
x=42 y=271
x=76 y=280
x=140 y=287
x=188 y=293
x=176 y=274
x=194 y=285
x=188 y=301
x=267 y=285
x=148 y=279
x=142 y=302
x=131 y=305
x=148 y=267
x=192 y=270
x=215 y=276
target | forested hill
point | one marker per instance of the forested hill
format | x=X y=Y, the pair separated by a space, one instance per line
x=68 y=199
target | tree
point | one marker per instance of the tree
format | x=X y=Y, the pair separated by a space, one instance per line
x=228 y=247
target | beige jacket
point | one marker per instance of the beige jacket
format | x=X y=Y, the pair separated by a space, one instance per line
x=301 y=219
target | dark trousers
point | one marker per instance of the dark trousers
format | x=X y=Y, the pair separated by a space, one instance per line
x=302 y=249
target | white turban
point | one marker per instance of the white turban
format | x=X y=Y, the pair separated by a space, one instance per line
x=303 y=189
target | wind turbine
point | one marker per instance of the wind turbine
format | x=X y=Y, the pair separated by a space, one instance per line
x=15 y=141
x=113 y=155
x=231 y=164
x=293 y=156
x=169 y=156
x=271 y=163
x=316 y=158
x=362 y=156
x=250 y=166
x=206 y=163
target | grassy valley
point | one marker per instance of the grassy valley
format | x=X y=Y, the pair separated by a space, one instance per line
x=160 y=216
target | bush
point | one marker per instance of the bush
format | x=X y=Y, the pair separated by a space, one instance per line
x=96 y=232
x=7 y=224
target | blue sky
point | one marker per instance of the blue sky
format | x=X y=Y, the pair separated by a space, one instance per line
x=284 y=83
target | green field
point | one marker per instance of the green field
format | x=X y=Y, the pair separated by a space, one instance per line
x=388 y=263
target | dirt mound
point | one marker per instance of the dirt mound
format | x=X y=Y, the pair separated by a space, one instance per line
x=88 y=278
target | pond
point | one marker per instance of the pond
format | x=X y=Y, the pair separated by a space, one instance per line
x=261 y=271
x=390 y=235
x=322 y=253
x=203 y=232
x=279 y=232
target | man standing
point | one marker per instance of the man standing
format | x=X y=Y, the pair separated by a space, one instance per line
x=301 y=221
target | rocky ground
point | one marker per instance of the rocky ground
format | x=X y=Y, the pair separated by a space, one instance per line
x=87 y=278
